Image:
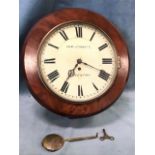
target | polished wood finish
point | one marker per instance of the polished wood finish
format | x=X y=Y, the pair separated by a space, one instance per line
x=48 y=99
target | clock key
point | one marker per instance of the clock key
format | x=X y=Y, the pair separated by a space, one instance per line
x=106 y=136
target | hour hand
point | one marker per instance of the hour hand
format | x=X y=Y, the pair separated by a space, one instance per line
x=71 y=72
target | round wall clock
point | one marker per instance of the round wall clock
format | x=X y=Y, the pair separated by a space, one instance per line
x=76 y=63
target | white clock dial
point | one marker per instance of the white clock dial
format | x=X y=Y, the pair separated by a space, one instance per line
x=77 y=61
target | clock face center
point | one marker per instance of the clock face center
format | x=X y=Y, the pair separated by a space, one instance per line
x=77 y=61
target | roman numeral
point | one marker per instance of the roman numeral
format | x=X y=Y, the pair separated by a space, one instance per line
x=104 y=75
x=107 y=61
x=78 y=31
x=91 y=38
x=103 y=47
x=80 y=91
x=94 y=86
x=47 y=61
x=53 y=46
x=63 y=34
x=64 y=87
x=53 y=76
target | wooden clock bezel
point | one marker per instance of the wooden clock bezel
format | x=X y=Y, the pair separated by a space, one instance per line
x=30 y=56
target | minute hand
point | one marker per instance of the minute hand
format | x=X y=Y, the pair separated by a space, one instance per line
x=90 y=66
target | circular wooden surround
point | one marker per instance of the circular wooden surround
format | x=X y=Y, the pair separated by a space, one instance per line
x=30 y=56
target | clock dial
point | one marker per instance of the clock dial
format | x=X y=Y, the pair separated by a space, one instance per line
x=77 y=61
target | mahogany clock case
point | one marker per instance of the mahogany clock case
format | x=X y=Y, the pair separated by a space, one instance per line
x=43 y=95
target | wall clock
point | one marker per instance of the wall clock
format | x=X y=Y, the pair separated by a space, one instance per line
x=75 y=61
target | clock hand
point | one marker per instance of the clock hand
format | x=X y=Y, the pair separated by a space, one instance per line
x=71 y=72
x=102 y=73
x=90 y=66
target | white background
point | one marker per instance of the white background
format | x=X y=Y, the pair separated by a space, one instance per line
x=145 y=77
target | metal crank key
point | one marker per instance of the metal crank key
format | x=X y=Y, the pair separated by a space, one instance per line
x=106 y=136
